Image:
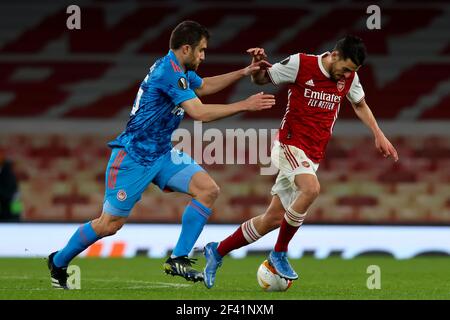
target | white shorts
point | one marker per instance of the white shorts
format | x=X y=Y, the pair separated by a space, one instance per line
x=291 y=161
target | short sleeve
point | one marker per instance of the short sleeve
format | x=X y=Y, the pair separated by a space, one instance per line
x=179 y=89
x=194 y=80
x=356 y=92
x=285 y=71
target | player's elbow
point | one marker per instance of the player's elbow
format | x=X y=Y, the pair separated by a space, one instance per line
x=204 y=114
x=201 y=116
x=207 y=119
x=201 y=92
x=198 y=111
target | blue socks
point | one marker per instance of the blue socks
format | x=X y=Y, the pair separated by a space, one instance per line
x=194 y=219
x=81 y=239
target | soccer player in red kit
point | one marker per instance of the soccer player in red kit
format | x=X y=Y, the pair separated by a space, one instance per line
x=317 y=86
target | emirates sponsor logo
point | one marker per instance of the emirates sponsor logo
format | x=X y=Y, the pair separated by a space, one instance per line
x=329 y=97
x=341 y=85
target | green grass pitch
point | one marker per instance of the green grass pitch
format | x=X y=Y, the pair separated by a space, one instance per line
x=143 y=278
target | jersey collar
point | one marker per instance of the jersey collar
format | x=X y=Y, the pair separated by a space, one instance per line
x=172 y=56
x=321 y=67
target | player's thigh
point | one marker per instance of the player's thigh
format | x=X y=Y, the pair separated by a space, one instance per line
x=177 y=173
x=125 y=181
x=108 y=224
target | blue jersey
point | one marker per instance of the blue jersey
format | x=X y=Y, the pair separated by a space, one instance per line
x=156 y=110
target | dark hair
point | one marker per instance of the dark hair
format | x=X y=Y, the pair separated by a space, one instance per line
x=188 y=32
x=353 y=48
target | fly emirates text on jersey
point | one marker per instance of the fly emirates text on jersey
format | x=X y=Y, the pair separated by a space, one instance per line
x=321 y=99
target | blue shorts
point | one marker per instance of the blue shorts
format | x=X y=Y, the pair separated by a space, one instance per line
x=126 y=179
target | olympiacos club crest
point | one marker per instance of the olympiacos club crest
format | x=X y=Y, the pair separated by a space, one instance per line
x=121 y=195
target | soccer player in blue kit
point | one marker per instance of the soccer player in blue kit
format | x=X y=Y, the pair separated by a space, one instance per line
x=143 y=152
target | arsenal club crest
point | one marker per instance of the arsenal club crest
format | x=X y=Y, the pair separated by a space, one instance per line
x=306 y=164
x=340 y=85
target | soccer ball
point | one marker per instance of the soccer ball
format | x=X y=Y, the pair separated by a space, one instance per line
x=269 y=280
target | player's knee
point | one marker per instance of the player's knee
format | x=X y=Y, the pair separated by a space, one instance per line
x=109 y=228
x=311 y=190
x=113 y=227
x=211 y=192
x=215 y=191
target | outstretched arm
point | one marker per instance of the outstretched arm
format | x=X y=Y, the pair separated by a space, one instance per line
x=209 y=112
x=215 y=84
x=383 y=145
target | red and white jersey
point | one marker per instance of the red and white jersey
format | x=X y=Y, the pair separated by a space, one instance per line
x=313 y=102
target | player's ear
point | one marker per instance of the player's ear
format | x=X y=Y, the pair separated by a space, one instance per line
x=335 y=55
x=185 y=49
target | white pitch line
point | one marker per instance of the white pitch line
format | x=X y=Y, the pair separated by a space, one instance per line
x=167 y=284
x=146 y=284
x=88 y=289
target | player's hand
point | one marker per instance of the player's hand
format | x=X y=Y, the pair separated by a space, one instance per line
x=256 y=66
x=257 y=54
x=385 y=147
x=259 y=101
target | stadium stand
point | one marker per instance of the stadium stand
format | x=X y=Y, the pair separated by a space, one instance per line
x=62 y=179
x=52 y=73
x=408 y=67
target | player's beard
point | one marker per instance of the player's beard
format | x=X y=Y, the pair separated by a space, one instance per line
x=334 y=78
x=191 y=66
x=333 y=75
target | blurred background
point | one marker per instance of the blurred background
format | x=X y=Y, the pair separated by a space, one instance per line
x=65 y=93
